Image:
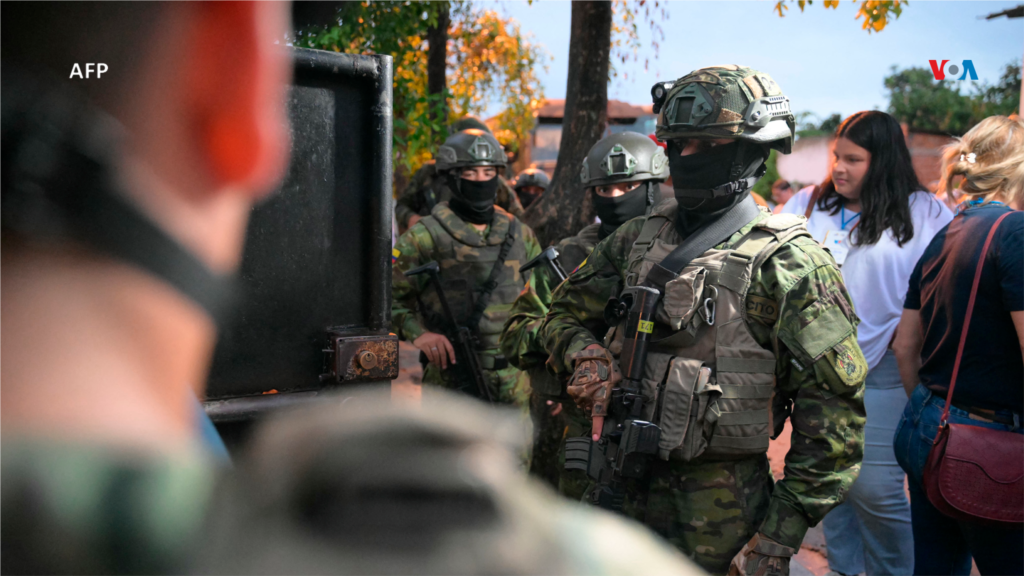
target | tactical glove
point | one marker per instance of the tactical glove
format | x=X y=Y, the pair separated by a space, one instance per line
x=593 y=380
x=762 y=556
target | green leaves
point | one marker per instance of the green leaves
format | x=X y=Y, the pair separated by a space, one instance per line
x=923 y=103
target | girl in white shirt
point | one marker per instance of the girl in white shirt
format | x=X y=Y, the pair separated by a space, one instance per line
x=876 y=219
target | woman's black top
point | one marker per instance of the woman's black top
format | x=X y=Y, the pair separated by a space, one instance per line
x=992 y=369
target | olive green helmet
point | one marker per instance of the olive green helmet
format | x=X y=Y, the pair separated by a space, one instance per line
x=470 y=148
x=624 y=157
x=729 y=101
x=466 y=123
x=532 y=177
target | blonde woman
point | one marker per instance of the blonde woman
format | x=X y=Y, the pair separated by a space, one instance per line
x=989 y=391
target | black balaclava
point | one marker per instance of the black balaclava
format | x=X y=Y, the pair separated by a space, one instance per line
x=525 y=198
x=708 y=184
x=473 y=200
x=615 y=212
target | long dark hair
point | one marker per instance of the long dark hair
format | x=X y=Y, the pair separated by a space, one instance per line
x=885 y=195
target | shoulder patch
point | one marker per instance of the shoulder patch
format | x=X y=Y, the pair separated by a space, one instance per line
x=848 y=362
x=395 y=254
x=582 y=264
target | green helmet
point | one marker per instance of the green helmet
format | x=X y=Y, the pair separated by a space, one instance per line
x=624 y=157
x=532 y=177
x=466 y=123
x=470 y=148
x=729 y=101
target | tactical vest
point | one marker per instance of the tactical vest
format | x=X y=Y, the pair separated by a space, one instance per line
x=701 y=322
x=466 y=260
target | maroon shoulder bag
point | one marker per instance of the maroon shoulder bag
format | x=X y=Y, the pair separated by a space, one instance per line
x=976 y=474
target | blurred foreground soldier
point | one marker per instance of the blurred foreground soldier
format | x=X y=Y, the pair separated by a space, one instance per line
x=731 y=339
x=530 y=184
x=623 y=172
x=366 y=486
x=479 y=248
x=125 y=202
x=428 y=187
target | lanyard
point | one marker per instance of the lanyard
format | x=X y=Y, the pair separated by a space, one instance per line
x=976 y=202
x=842 y=217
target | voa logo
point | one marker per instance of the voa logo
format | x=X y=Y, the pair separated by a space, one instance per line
x=946 y=70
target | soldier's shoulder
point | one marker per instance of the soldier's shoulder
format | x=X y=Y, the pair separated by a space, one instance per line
x=586 y=238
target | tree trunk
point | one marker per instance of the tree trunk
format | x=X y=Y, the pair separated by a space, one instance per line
x=437 y=60
x=565 y=208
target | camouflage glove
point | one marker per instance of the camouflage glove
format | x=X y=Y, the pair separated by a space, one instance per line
x=762 y=556
x=593 y=380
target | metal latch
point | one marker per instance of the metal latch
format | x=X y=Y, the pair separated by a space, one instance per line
x=360 y=358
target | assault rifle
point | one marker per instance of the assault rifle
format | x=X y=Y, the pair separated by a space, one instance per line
x=627 y=443
x=550 y=257
x=468 y=372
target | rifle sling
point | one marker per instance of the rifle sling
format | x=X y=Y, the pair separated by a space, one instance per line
x=492 y=280
x=701 y=241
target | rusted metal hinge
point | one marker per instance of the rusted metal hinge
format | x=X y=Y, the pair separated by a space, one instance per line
x=360 y=358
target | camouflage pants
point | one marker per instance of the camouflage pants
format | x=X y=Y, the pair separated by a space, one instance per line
x=508 y=385
x=708 y=510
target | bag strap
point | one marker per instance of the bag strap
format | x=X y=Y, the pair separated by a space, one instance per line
x=815 y=196
x=967 y=318
x=701 y=241
x=492 y=280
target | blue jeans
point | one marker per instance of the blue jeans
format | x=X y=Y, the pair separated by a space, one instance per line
x=943 y=545
x=870 y=531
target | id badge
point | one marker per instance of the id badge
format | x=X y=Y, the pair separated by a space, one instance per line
x=838 y=243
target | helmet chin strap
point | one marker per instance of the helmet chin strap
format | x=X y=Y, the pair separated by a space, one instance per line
x=59 y=185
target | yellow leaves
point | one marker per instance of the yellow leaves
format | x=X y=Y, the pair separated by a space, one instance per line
x=877 y=14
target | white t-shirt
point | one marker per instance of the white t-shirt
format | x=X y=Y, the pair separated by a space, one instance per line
x=877 y=275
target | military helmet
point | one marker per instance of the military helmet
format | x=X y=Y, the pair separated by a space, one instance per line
x=728 y=101
x=532 y=177
x=624 y=157
x=470 y=148
x=466 y=123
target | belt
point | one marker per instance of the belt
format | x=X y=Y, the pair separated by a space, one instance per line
x=991 y=416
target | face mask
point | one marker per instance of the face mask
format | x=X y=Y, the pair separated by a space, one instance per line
x=706 y=171
x=525 y=198
x=615 y=212
x=473 y=200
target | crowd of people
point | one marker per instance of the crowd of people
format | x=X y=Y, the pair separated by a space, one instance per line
x=666 y=343
x=880 y=226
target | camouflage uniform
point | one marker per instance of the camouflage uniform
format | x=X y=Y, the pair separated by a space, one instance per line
x=520 y=343
x=710 y=509
x=89 y=509
x=459 y=248
x=619 y=160
x=755 y=330
x=426 y=180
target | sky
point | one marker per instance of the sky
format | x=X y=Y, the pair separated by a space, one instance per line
x=821 y=58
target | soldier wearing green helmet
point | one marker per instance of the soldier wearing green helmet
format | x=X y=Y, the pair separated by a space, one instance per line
x=622 y=173
x=479 y=247
x=752 y=326
x=428 y=187
x=529 y=185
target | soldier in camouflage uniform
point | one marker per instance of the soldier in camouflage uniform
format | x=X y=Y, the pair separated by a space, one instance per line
x=783 y=342
x=465 y=236
x=428 y=188
x=623 y=172
x=529 y=185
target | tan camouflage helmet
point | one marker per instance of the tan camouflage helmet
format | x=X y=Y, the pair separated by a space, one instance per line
x=470 y=148
x=728 y=101
x=623 y=157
